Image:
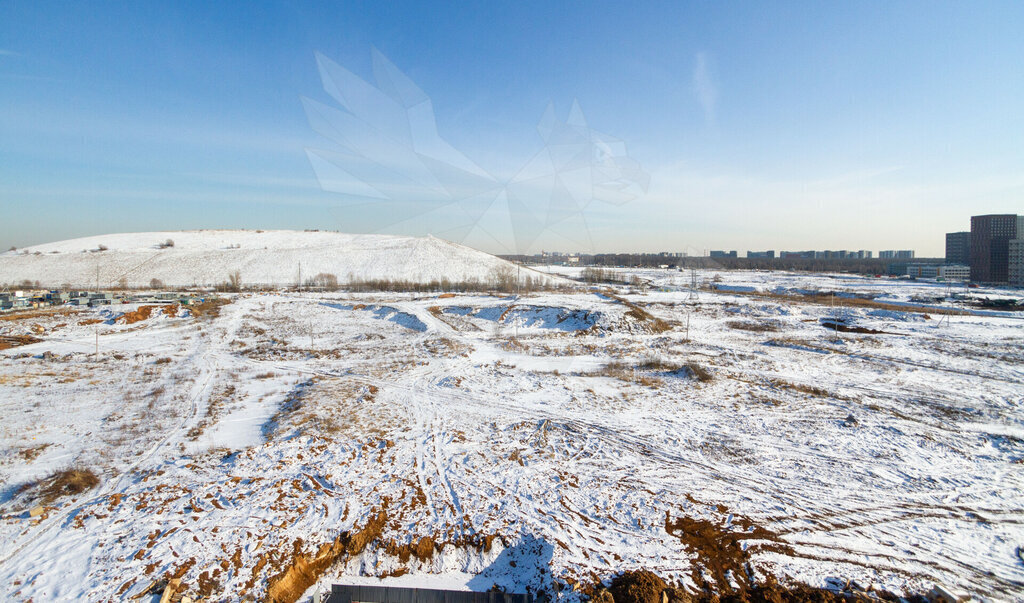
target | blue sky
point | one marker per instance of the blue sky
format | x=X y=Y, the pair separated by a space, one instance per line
x=860 y=125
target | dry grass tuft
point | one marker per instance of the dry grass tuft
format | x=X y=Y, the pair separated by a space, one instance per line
x=657 y=363
x=698 y=372
x=13 y=341
x=800 y=387
x=629 y=373
x=756 y=327
x=68 y=483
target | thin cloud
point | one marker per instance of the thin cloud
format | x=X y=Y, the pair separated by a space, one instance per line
x=704 y=86
x=9 y=53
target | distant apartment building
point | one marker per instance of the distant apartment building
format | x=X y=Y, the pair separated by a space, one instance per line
x=990 y=246
x=958 y=248
x=896 y=254
x=723 y=254
x=770 y=254
x=1015 y=262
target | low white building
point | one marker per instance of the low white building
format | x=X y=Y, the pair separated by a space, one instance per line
x=955 y=272
x=946 y=272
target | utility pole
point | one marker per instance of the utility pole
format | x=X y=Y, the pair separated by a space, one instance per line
x=835 y=318
x=96 y=327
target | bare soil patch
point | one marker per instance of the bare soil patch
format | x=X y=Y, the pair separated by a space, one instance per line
x=13 y=341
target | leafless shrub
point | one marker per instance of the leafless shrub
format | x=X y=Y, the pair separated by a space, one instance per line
x=325 y=281
x=162 y=361
x=594 y=275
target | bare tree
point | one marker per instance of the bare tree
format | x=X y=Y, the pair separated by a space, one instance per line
x=327 y=281
x=235 y=281
x=503 y=278
x=156 y=283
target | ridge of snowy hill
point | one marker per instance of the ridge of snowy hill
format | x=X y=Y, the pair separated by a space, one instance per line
x=273 y=258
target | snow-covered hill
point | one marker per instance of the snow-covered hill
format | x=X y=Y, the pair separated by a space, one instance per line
x=275 y=258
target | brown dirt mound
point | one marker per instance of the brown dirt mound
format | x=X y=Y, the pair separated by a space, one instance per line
x=288 y=585
x=142 y=313
x=27 y=314
x=209 y=308
x=721 y=556
x=640 y=586
x=720 y=551
x=423 y=550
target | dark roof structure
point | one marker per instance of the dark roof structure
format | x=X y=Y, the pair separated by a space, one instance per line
x=388 y=594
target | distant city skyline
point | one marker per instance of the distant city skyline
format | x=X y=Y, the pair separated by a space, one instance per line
x=798 y=126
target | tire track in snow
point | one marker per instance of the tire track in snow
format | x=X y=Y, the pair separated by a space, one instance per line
x=114 y=485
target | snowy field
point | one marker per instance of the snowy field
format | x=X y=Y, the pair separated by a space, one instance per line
x=543 y=442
